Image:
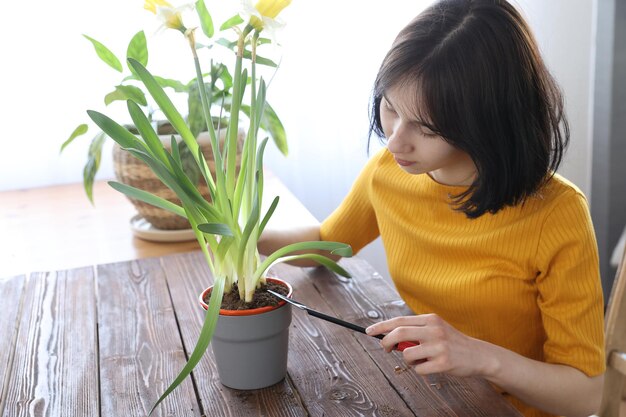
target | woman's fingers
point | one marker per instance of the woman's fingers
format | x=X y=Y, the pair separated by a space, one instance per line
x=389 y=325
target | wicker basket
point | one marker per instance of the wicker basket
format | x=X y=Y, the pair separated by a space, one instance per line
x=131 y=171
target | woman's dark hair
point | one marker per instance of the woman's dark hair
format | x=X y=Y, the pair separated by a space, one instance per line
x=482 y=85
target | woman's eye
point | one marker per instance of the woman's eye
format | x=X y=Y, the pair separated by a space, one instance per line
x=427 y=132
x=388 y=107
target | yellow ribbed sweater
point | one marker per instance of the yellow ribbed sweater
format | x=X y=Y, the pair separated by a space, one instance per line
x=525 y=278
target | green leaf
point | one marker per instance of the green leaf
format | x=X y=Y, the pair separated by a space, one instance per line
x=335 y=248
x=206 y=334
x=183 y=187
x=225 y=243
x=226 y=78
x=138 y=49
x=206 y=173
x=215 y=229
x=233 y=21
x=227 y=43
x=126 y=92
x=188 y=162
x=166 y=105
x=175 y=150
x=116 y=132
x=205 y=19
x=268 y=214
x=259 y=59
x=93 y=164
x=145 y=129
x=195 y=116
x=80 y=130
x=272 y=124
x=147 y=197
x=177 y=182
x=105 y=54
x=174 y=84
x=320 y=259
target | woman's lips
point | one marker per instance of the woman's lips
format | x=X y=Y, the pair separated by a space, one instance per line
x=403 y=163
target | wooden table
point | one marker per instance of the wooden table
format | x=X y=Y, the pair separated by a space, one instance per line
x=111 y=319
x=56 y=227
x=107 y=340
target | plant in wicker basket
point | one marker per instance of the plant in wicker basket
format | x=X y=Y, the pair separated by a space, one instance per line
x=229 y=223
x=132 y=171
x=218 y=82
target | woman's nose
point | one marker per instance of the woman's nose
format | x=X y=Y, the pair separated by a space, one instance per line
x=398 y=141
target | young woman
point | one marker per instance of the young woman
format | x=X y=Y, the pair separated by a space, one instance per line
x=493 y=251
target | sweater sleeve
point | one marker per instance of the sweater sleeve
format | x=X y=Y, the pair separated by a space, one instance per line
x=569 y=287
x=354 y=221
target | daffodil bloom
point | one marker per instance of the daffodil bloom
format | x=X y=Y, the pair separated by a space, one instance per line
x=169 y=15
x=266 y=12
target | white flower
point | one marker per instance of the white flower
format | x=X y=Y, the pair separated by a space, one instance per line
x=170 y=16
x=263 y=15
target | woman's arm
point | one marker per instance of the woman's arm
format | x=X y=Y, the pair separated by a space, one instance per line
x=274 y=239
x=557 y=389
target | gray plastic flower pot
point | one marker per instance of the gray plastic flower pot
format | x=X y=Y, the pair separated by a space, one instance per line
x=250 y=346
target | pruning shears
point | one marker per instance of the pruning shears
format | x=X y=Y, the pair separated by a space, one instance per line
x=399 y=347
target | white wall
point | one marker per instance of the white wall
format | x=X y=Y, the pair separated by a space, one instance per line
x=331 y=52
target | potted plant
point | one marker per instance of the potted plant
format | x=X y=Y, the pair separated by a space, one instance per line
x=229 y=223
x=129 y=170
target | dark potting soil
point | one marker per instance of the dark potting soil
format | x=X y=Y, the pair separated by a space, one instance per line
x=261 y=297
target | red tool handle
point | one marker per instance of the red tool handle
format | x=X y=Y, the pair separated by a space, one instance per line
x=405 y=345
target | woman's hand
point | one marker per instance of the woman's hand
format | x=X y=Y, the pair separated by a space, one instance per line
x=441 y=347
x=558 y=389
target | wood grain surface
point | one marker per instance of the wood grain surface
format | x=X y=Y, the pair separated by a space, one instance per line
x=55 y=370
x=108 y=340
x=140 y=348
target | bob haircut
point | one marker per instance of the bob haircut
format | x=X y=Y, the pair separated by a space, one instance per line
x=480 y=83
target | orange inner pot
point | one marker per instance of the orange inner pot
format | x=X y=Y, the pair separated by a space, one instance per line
x=252 y=311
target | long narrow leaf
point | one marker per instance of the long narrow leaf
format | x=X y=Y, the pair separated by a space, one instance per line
x=260 y=60
x=251 y=223
x=175 y=151
x=147 y=132
x=223 y=247
x=166 y=105
x=206 y=333
x=233 y=131
x=335 y=248
x=207 y=174
x=117 y=132
x=147 y=197
x=241 y=182
x=259 y=171
x=216 y=229
x=166 y=177
x=272 y=124
x=93 y=164
x=268 y=214
x=320 y=259
x=183 y=180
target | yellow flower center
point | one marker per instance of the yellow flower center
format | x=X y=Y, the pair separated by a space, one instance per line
x=268 y=8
